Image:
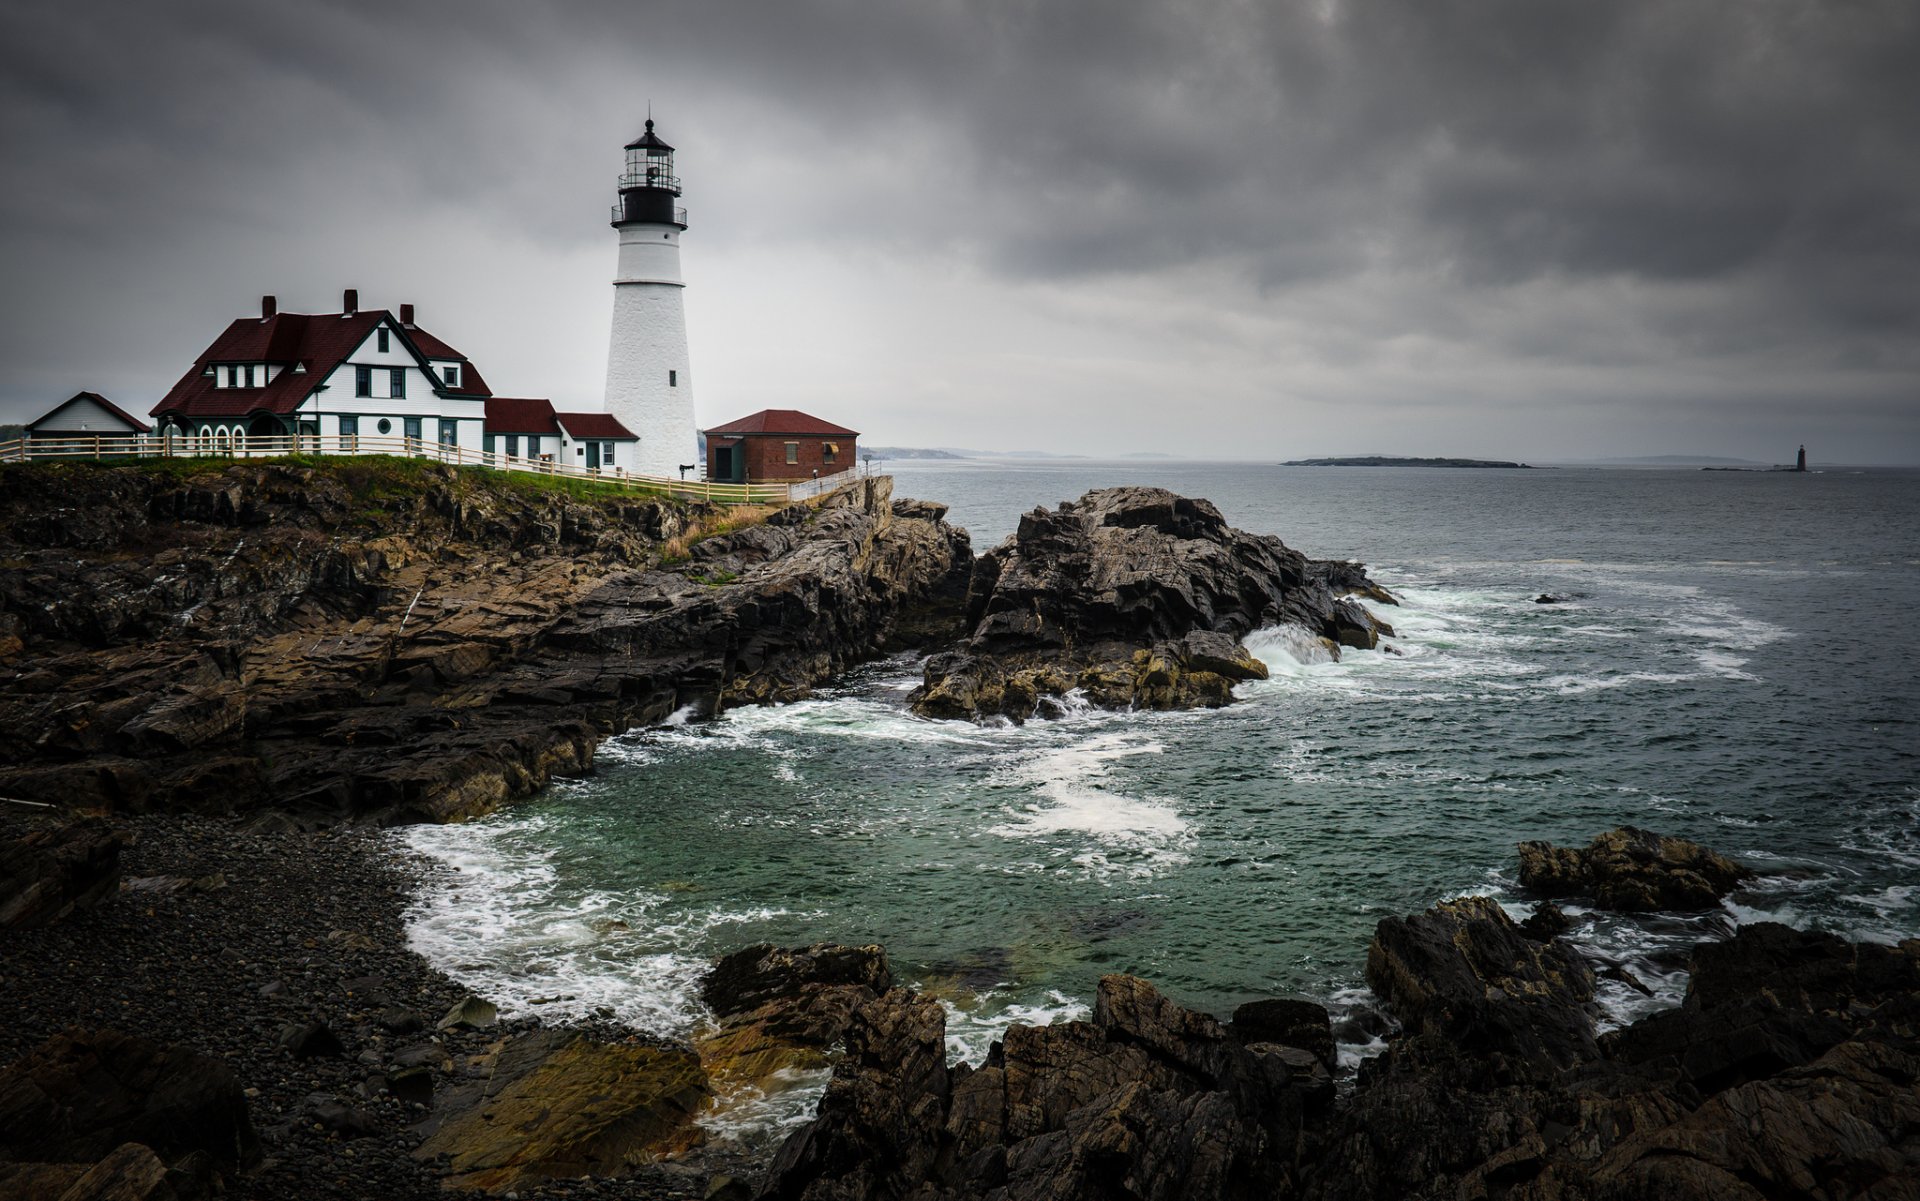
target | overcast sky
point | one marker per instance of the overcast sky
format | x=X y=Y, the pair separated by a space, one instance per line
x=1514 y=228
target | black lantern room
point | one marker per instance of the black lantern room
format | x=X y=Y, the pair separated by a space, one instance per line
x=649 y=187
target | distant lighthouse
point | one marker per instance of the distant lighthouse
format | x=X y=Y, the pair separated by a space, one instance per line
x=648 y=386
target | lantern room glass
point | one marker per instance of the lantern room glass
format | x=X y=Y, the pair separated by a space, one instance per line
x=650 y=167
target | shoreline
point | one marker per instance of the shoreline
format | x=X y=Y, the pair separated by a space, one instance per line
x=320 y=914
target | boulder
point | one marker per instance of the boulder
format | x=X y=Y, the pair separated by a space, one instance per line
x=469 y=1013
x=50 y=872
x=1135 y=598
x=751 y=977
x=1286 y=1022
x=81 y=1094
x=1632 y=871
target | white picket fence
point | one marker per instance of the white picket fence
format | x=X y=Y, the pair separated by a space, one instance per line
x=148 y=446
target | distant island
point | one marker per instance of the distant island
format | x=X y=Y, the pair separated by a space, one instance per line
x=907 y=452
x=1392 y=461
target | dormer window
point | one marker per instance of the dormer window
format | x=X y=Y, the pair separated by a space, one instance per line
x=451 y=374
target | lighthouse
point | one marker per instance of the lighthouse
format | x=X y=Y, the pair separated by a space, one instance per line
x=649 y=389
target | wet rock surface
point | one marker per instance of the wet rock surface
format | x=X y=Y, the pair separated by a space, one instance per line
x=1135 y=598
x=1632 y=871
x=404 y=642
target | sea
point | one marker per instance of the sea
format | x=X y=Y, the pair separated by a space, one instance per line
x=1728 y=660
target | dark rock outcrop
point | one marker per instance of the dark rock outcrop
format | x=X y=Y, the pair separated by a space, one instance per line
x=47 y=873
x=1147 y=1100
x=83 y=1094
x=402 y=641
x=1632 y=871
x=1136 y=597
x=1791 y=1070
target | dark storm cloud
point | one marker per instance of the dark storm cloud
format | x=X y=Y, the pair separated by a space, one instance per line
x=1727 y=179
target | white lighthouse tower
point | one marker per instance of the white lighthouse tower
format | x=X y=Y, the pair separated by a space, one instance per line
x=648 y=386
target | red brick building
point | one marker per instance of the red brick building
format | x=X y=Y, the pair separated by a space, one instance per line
x=779 y=444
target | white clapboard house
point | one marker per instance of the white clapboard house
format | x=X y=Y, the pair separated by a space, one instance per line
x=361 y=381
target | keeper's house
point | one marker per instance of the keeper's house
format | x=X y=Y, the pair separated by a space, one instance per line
x=779 y=444
x=335 y=375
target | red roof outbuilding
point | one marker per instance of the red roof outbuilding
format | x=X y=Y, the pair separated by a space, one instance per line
x=783 y=421
x=602 y=426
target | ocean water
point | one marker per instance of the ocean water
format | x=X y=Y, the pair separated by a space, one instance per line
x=1733 y=665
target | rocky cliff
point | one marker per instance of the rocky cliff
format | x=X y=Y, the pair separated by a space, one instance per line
x=1137 y=598
x=393 y=641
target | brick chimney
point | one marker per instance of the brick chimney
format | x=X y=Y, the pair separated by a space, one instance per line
x=350 y=302
x=268 y=307
x=406 y=315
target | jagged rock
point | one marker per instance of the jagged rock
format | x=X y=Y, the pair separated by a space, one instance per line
x=560 y=1105
x=81 y=1094
x=1137 y=598
x=1146 y=1100
x=1632 y=871
x=1465 y=973
x=50 y=872
x=401 y=642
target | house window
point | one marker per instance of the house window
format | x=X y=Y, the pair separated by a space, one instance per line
x=673 y=379
x=533 y=445
x=606 y=453
x=449 y=432
x=397 y=378
x=513 y=446
x=793 y=452
x=363 y=381
x=381 y=337
x=413 y=427
x=451 y=374
x=487 y=443
x=249 y=375
x=385 y=426
x=580 y=451
x=349 y=427
x=827 y=450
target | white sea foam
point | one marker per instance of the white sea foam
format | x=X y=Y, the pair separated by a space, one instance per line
x=973 y=1029
x=1136 y=836
x=496 y=921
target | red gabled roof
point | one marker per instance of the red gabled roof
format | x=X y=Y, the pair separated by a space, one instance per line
x=594 y=425
x=471 y=382
x=317 y=341
x=96 y=398
x=519 y=415
x=784 y=421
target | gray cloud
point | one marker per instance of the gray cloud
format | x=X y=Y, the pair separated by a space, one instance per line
x=1698 y=202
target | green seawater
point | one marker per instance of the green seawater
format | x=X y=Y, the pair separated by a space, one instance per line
x=1732 y=665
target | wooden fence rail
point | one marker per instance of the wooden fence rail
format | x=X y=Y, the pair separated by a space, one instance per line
x=152 y=446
